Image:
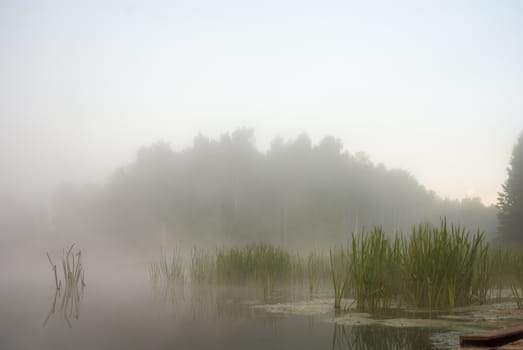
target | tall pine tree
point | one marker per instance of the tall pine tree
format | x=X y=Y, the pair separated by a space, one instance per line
x=510 y=200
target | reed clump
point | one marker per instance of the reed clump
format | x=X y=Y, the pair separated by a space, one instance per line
x=169 y=268
x=203 y=267
x=374 y=268
x=317 y=271
x=440 y=265
x=435 y=267
x=501 y=269
x=69 y=287
x=72 y=268
x=340 y=272
x=260 y=263
x=516 y=282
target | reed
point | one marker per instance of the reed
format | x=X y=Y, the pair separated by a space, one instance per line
x=440 y=265
x=516 y=284
x=298 y=269
x=72 y=268
x=340 y=272
x=317 y=271
x=71 y=290
x=503 y=264
x=483 y=276
x=57 y=283
x=168 y=268
x=374 y=269
x=203 y=267
x=434 y=267
x=258 y=263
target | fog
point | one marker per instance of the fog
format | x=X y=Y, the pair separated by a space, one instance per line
x=133 y=128
x=225 y=191
x=296 y=124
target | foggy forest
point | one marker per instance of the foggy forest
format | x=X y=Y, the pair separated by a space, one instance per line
x=278 y=175
x=297 y=194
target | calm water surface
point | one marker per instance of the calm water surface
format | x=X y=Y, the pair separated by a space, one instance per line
x=118 y=310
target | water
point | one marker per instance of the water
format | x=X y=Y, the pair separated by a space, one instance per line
x=122 y=309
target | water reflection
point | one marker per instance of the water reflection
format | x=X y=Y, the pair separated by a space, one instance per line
x=169 y=293
x=213 y=301
x=69 y=300
x=380 y=337
x=288 y=315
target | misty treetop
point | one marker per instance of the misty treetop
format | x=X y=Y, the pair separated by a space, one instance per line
x=228 y=191
x=510 y=200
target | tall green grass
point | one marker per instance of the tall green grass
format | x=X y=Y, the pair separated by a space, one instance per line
x=440 y=265
x=260 y=263
x=340 y=272
x=501 y=269
x=374 y=269
x=317 y=271
x=435 y=267
x=516 y=282
x=203 y=267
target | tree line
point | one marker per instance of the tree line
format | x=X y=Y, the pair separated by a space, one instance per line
x=226 y=190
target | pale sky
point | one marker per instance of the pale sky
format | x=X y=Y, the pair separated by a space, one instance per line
x=434 y=87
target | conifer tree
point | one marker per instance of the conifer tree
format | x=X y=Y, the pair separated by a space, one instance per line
x=510 y=200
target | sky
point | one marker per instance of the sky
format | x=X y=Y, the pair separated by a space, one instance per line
x=432 y=87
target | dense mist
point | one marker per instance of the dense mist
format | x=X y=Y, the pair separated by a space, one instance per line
x=226 y=191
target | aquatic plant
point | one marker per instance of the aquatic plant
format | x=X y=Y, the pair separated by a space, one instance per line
x=434 y=267
x=501 y=266
x=203 y=267
x=317 y=270
x=340 y=270
x=53 y=268
x=70 y=292
x=482 y=280
x=168 y=268
x=440 y=265
x=260 y=263
x=374 y=269
x=72 y=267
x=516 y=283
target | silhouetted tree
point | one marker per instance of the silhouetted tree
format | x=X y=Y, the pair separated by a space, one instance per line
x=510 y=200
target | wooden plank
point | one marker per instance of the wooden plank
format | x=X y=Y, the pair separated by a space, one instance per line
x=518 y=345
x=492 y=338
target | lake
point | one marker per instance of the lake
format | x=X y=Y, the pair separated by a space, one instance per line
x=121 y=308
